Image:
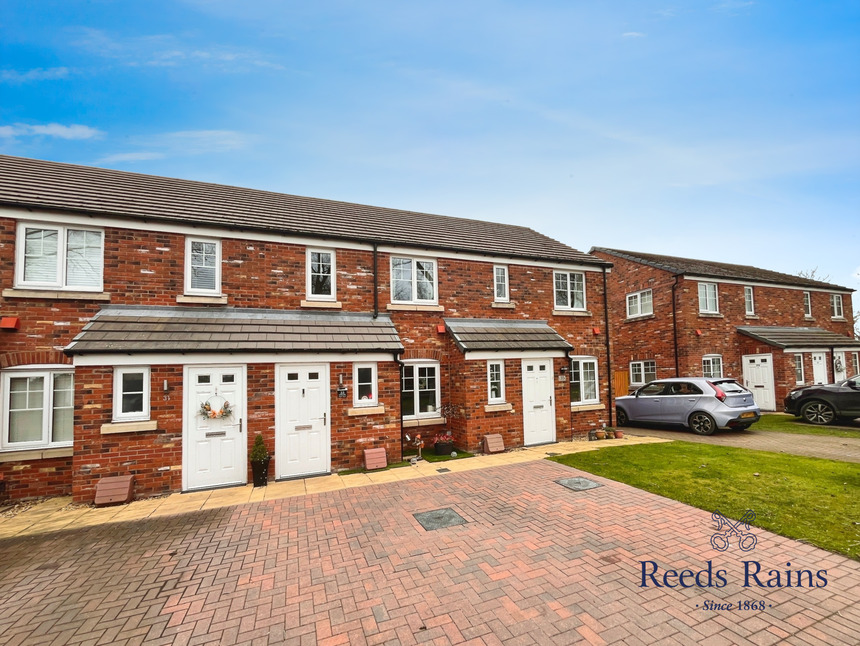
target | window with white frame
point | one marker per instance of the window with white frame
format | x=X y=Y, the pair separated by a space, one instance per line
x=38 y=408
x=321 y=275
x=55 y=257
x=364 y=389
x=496 y=382
x=807 y=304
x=420 y=390
x=583 y=381
x=749 y=301
x=131 y=394
x=569 y=290
x=708 y=302
x=640 y=303
x=203 y=266
x=642 y=372
x=413 y=280
x=798 y=368
x=836 y=306
x=501 y=293
x=712 y=366
x=856 y=357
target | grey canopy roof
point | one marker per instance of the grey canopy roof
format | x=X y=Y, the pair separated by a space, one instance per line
x=139 y=330
x=494 y=334
x=799 y=337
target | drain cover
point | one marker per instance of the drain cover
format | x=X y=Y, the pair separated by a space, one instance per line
x=443 y=470
x=439 y=519
x=578 y=484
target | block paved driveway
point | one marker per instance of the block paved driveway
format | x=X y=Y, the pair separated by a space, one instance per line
x=535 y=563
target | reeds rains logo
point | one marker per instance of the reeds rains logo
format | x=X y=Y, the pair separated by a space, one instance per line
x=731 y=534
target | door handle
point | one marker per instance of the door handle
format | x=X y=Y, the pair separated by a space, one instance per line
x=325 y=418
x=240 y=424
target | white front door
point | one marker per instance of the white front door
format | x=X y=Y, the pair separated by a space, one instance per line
x=819 y=368
x=214 y=448
x=839 y=368
x=758 y=378
x=538 y=411
x=302 y=435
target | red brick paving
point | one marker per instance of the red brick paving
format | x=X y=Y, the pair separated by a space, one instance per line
x=535 y=564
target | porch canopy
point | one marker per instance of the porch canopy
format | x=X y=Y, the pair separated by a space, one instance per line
x=505 y=336
x=800 y=338
x=140 y=330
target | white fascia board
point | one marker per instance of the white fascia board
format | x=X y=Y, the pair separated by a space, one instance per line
x=429 y=252
x=216 y=358
x=488 y=355
x=750 y=283
x=820 y=349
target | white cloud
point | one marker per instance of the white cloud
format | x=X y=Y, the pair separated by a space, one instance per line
x=36 y=74
x=633 y=34
x=73 y=131
x=180 y=144
x=129 y=157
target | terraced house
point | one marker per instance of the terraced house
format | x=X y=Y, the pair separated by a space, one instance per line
x=154 y=326
x=680 y=316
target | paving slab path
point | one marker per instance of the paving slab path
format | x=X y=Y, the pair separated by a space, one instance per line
x=533 y=563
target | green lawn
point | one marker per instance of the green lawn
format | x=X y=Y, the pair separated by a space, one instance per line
x=809 y=499
x=791 y=424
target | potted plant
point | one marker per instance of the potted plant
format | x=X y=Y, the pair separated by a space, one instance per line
x=260 y=462
x=443 y=444
x=619 y=434
x=600 y=433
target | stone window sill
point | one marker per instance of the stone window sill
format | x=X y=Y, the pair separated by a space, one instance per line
x=641 y=317
x=571 y=313
x=711 y=315
x=405 y=307
x=329 y=305
x=751 y=316
x=429 y=421
x=504 y=306
x=579 y=408
x=129 y=427
x=56 y=294
x=497 y=408
x=202 y=300
x=36 y=454
x=365 y=410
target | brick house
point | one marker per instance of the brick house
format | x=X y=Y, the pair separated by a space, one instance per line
x=678 y=316
x=155 y=326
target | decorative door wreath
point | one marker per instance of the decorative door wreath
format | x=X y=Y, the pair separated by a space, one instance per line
x=216 y=407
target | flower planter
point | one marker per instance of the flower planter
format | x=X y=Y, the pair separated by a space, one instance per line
x=260 y=469
x=600 y=434
x=443 y=448
x=619 y=435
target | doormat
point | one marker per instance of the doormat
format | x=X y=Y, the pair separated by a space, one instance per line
x=578 y=484
x=439 y=519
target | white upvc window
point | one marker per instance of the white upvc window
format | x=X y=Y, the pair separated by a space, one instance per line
x=413 y=280
x=131 y=394
x=807 y=304
x=798 y=368
x=640 y=303
x=38 y=408
x=203 y=266
x=836 y=306
x=583 y=381
x=712 y=366
x=321 y=273
x=496 y=382
x=708 y=299
x=56 y=257
x=856 y=358
x=569 y=290
x=501 y=291
x=749 y=301
x=642 y=372
x=365 y=391
x=420 y=390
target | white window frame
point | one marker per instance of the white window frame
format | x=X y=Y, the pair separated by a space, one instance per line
x=501 y=399
x=61 y=273
x=569 y=282
x=836 y=310
x=423 y=363
x=636 y=303
x=856 y=357
x=708 y=362
x=749 y=300
x=799 y=375
x=641 y=368
x=309 y=275
x=374 y=385
x=48 y=373
x=192 y=291
x=581 y=360
x=506 y=297
x=807 y=304
x=705 y=298
x=134 y=416
x=414 y=260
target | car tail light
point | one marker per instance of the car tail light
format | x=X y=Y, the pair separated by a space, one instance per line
x=719 y=394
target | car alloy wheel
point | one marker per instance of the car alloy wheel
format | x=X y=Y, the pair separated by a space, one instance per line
x=621 y=417
x=702 y=424
x=818 y=413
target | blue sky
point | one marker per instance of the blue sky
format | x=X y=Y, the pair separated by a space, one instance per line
x=718 y=129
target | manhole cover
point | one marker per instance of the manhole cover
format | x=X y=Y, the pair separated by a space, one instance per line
x=578 y=484
x=443 y=470
x=439 y=519
x=552 y=455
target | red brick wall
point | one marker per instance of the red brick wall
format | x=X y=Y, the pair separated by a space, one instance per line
x=36 y=478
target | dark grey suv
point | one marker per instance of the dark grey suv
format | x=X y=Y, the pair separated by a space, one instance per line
x=825 y=403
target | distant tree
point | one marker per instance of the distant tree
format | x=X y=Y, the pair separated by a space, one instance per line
x=857 y=325
x=813 y=274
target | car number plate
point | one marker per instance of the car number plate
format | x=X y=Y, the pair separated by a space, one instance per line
x=745 y=415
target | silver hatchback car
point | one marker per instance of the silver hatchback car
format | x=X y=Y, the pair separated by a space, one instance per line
x=703 y=405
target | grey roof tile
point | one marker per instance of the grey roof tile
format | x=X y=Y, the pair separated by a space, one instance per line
x=482 y=334
x=799 y=337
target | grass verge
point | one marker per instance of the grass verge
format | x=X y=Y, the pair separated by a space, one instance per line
x=789 y=424
x=429 y=457
x=807 y=499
